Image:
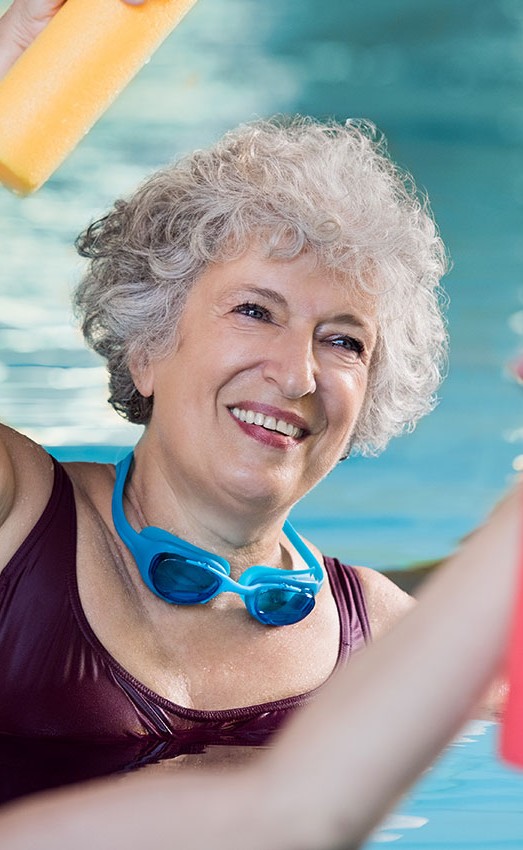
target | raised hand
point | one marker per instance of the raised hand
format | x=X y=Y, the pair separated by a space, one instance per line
x=22 y=22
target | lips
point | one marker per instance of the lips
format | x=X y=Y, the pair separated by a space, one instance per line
x=270 y=420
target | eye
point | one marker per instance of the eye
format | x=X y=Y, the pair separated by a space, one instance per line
x=349 y=344
x=253 y=311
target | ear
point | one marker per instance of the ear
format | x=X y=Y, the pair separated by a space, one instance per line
x=142 y=373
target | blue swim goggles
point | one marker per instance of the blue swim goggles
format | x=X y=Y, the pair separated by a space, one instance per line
x=181 y=573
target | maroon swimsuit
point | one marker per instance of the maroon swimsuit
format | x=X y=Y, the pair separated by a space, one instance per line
x=68 y=710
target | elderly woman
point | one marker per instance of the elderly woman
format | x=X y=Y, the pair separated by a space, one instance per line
x=265 y=307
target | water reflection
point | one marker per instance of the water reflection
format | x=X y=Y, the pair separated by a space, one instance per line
x=29 y=765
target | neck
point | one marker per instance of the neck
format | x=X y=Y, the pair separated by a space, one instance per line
x=242 y=533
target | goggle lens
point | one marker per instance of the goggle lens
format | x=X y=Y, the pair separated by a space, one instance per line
x=282 y=607
x=185 y=583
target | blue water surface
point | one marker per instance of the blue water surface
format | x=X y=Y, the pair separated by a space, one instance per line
x=468 y=799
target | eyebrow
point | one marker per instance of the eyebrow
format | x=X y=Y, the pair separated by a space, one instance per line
x=277 y=298
x=270 y=294
x=351 y=319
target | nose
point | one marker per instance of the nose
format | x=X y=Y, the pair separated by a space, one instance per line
x=291 y=365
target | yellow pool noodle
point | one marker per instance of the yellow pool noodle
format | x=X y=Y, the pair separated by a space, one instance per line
x=69 y=75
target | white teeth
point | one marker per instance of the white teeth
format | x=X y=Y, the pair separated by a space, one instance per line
x=268 y=422
x=284 y=427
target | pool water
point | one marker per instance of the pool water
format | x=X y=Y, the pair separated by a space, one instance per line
x=468 y=799
x=444 y=82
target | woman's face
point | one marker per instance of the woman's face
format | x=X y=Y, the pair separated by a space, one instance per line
x=262 y=392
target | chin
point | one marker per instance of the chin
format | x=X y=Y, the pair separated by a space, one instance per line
x=271 y=490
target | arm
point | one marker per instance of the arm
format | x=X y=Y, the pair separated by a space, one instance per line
x=22 y=22
x=387 y=604
x=350 y=753
x=403 y=699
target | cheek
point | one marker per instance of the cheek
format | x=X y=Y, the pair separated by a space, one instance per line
x=346 y=394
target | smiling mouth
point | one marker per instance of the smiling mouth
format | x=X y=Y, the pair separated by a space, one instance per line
x=270 y=423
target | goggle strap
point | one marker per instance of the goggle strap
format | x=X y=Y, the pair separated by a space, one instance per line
x=139 y=542
x=304 y=552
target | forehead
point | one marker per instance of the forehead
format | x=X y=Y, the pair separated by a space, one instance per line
x=298 y=282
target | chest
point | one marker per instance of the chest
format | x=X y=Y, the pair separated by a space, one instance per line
x=208 y=657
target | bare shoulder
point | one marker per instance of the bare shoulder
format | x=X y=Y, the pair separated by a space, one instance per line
x=386 y=602
x=93 y=484
x=26 y=479
x=7 y=479
x=26 y=483
x=25 y=472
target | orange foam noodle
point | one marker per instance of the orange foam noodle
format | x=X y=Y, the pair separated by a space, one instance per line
x=68 y=77
x=511 y=738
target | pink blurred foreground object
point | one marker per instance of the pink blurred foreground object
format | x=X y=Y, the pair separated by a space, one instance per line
x=511 y=741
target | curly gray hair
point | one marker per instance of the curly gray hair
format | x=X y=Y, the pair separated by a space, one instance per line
x=294 y=185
